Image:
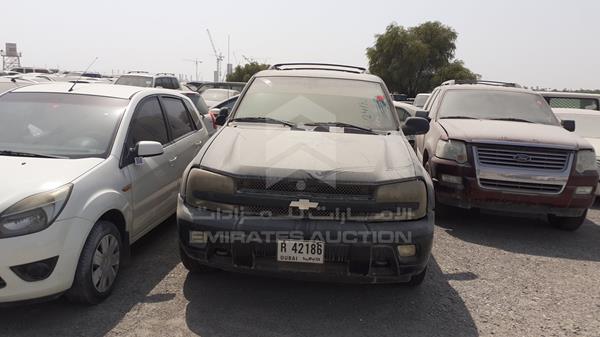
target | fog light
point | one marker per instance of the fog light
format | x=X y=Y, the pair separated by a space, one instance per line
x=451 y=179
x=35 y=271
x=581 y=190
x=407 y=250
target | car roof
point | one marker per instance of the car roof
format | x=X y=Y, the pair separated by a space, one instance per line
x=485 y=87
x=319 y=73
x=95 y=89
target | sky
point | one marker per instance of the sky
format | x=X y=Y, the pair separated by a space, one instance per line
x=536 y=43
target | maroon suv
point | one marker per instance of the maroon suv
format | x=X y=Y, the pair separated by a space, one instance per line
x=497 y=146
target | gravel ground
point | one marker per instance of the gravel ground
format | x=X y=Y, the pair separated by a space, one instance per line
x=491 y=275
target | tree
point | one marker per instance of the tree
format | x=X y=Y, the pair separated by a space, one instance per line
x=416 y=59
x=245 y=72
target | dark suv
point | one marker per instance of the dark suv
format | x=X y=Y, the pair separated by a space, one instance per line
x=310 y=177
x=498 y=146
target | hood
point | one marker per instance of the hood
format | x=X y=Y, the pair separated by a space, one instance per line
x=488 y=130
x=278 y=152
x=22 y=177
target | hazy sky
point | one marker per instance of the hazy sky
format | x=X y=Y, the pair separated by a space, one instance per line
x=547 y=43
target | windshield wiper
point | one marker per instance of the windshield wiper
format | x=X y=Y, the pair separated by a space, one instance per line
x=342 y=125
x=511 y=120
x=263 y=120
x=458 y=117
x=29 y=154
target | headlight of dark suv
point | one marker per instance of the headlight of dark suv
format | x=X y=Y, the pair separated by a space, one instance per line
x=204 y=188
x=35 y=213
x=409 y=197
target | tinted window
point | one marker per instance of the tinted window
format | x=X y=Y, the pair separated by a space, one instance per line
x=136 y=81
x=160 y=82
x=573 y=103
x=148 y=123
x=174 y=83
x=402 y=114
x=179 y=119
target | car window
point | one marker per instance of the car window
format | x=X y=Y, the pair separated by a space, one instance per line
x=148 y=123
x=228 y=104
x=318 y=100
x=160 y=82
x=496 y=104
x=573 y=103
x=174 y=83
x=136 y=81
x=178 y=116
x=62 y=124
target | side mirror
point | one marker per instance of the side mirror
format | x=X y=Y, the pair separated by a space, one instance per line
x=422 y=114
x=415 y=126
x=568 y=125
x=148 y=149
x=222 y=117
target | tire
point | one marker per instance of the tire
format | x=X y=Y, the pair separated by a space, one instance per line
x=566 y=223
x=193 y=266
x=416 y=280
x=98 y=267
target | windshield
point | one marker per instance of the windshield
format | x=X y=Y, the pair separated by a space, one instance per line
x=74 y=126
x=318 y=100
x=587 y=126
x=496 y=104
x=218 y=94
x=136 y=81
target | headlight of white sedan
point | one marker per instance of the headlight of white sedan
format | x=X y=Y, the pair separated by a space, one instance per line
x=452 y=150
x=586 y=161
x=35 y=213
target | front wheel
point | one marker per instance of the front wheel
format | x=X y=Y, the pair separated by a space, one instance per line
x=98 y=265
x=567 y=223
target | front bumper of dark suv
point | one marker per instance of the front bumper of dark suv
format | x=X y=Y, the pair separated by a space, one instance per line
x=355 y=252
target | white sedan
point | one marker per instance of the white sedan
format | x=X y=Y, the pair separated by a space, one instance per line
x=86 y=171
x=587 y=125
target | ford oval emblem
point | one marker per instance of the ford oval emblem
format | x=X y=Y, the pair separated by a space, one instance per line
x=521 y=158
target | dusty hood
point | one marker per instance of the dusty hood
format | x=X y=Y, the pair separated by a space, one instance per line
x=480 y=130
x=22 y=177
x=278 y=152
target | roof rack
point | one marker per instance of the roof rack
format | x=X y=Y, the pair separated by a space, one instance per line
x=137 y=72
x=484 y=82
x=318 y=66
x=170 y=74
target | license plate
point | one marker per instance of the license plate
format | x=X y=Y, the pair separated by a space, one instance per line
x=300 y=251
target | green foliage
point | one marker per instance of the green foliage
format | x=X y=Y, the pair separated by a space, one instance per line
x=416 y=59
x=245 y=72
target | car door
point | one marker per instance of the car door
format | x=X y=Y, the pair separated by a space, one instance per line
x=153 y=182
x=186 y=134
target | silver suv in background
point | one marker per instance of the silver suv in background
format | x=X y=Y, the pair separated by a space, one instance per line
x=149 y=80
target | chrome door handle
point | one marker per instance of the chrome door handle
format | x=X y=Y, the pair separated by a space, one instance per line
x=172 y=160
x=198 y=143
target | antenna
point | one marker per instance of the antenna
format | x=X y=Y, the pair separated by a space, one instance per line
x=85 y=71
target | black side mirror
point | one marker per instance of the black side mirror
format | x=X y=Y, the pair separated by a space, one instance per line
x=222 y=117
x=415 y=126
x=422 y=114
x=569 y=125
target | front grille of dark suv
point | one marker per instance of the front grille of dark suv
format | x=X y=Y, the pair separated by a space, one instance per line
x=305 y=186
x=523 y=157
x=517 y=186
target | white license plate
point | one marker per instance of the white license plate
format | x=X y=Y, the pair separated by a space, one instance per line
x=300 y=251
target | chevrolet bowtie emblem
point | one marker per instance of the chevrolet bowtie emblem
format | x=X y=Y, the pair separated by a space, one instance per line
x=304 y=204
